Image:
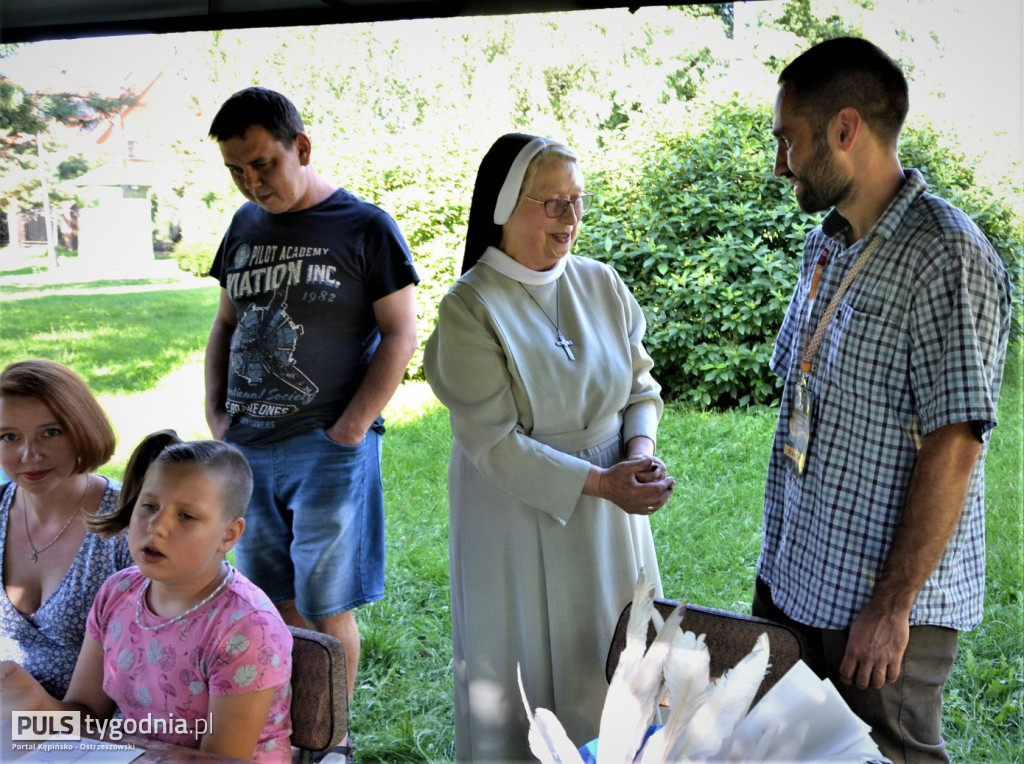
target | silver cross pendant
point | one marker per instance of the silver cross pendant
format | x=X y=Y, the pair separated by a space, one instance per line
x=565 y=344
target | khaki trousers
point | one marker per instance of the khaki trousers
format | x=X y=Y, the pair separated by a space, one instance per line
x=905 y=715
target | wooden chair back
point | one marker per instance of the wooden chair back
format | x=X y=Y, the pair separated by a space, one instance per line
x=728 y=636
x=319 y=692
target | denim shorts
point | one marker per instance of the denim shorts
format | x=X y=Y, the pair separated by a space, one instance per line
x=314 y=530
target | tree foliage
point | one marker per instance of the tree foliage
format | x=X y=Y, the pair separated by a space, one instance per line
x=27 y=116
x=688 y=212
x=707 y=241
x=799 y=18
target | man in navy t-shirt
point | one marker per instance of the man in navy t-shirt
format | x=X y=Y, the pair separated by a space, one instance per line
x=316 y=325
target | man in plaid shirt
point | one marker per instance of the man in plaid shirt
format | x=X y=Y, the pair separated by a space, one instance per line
x=892 y=353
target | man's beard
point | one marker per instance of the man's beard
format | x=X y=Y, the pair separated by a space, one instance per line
x=823 y=186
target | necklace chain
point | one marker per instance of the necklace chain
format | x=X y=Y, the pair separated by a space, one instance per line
x=560 y=339
x=34 y=557
x=170 y=621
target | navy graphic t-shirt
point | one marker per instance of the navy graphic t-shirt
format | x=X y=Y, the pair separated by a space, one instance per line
x=303 y=285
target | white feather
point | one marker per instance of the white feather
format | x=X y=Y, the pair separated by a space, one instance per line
x=548 y=739
x=687 y=672
x=636 y=629
x=620 y=703
x=539 y=747
x=654 y=749
x=726 y=703
x=632 y=698
x=554 y=734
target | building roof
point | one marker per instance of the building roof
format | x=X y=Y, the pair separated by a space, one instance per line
x=35 y=20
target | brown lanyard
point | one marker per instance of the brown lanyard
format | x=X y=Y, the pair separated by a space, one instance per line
x=814 y=343
x=819 y=268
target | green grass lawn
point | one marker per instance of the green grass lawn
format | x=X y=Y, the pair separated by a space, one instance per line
x=120 y=342
x=125 y=345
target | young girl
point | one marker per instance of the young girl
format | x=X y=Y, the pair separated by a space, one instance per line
x=182 y=636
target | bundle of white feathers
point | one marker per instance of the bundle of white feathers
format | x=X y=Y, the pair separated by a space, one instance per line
x=704 y=715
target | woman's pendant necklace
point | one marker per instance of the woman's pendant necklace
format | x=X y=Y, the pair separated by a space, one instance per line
x=178 y=618
x=34 y=557
x=560 y=339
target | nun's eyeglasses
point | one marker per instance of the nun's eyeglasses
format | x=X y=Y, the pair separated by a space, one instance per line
x=555 y=208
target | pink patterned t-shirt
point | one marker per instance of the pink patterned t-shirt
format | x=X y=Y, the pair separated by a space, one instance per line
x=236 y=643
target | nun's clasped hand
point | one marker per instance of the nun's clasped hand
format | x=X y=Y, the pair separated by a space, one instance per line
x=640 y=486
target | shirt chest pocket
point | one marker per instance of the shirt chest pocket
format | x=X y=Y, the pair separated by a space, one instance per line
x=860 y=353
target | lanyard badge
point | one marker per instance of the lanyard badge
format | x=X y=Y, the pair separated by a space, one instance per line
x=802 y=414
x=800 y=418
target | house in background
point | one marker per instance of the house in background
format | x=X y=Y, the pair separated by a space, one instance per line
x=111 y=224
x=115 y=218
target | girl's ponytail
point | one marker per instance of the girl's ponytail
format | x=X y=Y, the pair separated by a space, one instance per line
x=144 y=454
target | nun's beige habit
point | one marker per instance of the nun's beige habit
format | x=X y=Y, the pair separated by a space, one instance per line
x=539 y=572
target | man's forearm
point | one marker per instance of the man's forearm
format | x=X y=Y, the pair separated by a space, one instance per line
x=218 y=350
x=935 y=499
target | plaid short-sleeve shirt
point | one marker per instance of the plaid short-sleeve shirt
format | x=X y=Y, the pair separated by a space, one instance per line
x=918 y=342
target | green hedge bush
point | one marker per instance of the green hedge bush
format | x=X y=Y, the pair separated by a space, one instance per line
x=195 y=257
x=710 y=243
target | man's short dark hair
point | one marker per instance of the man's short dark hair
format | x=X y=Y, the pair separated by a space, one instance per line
x=257 y=106
x=849 y=72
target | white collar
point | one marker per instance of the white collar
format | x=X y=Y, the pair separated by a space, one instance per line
x=506 y=266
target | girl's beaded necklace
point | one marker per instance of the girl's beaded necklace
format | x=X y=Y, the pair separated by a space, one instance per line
x=229 y=576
